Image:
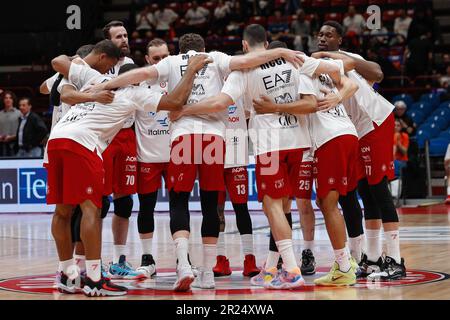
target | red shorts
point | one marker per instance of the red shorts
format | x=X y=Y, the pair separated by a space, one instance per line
x=149 y=176
x=336 y=164
x=236 y=182
x=277 y=173
x=120 y=163
x=197 y=153
x=305 y=180
x=376 y=152
x=75 y=174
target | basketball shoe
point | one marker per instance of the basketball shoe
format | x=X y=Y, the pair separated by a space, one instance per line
x=64 y=284
x=286 y=280
x=391 y=270
x=102 y=288
x=250 y=268
x=204 y=280
x=123 y=270
x=185 y=277
x=337 y=277
x=367 y=266
x=222 y=267
x=148 y=266
x=264 y=276
x=308 y=266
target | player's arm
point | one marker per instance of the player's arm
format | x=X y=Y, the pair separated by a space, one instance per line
x=128 y=78
x=305 y=105
x=257 y=58
x=43 y=89
x=346 y=89
x=349 y=62
x=62 y=63
x=177 y=98
x=71 y=96
x=213 y=104
x=326 y=67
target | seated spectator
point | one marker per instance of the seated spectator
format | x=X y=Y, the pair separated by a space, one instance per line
x=221 y=15
x=9 y=121
x=278 y=27
x=163 y=18
x=196 y=18
x=401 y=24
x=354 y=23
x=30 y=133
x=406 y=123
x=144 y=21
x=401 y=144
x=447 y=172
x=301 y=30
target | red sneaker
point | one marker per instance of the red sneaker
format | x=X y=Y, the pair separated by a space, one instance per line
x=250 y=268
x=447 y=201
x=222 y=267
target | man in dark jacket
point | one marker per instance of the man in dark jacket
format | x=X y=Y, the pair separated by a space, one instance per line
x=30 y=133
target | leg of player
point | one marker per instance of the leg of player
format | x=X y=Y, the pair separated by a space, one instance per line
x=61 y=231
x=91 y=235
x=146 y=227
x=342 y=272
x=307 y=222
x=222 y=267
x=79 y=257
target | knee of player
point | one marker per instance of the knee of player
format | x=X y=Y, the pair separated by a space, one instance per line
x=123 y=207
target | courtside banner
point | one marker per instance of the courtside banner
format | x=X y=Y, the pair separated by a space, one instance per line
x=23 y=185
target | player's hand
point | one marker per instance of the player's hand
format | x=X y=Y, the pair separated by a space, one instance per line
x=104 y=96
x=328 y=102
x=297 y=58
x=197 y=62
x=319 y=54
x=264 y=104
x=175 y=115
x=95 y=88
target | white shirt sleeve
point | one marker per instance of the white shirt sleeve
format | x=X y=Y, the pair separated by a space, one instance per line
x=63 y=83
x=306 y=85
x=236 y=85
x=79 y=75
x=222 y=60
x=145 y=99
x=447 y=154
x=51 y=81
x=309 y=66
x=163 y=68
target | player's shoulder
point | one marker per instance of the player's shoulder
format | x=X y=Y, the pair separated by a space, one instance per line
x=127 y=60
x=353 y=55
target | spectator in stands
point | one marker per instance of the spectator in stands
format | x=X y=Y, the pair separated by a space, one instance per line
x=263 y=7
x=401 y=24
x=406 y=123
x=401 y=144
x=444 y=80
x=31 y=132
x=292 y=6
x=379 y=37
x=354 y=22
x=196 y=18
x=278 y=27
x=447 y=172
x=301 y=29
x=163 y=18
x=421 y=24
x=418 y=55
x=221 y=15
x=144 y=21
x=9 y=120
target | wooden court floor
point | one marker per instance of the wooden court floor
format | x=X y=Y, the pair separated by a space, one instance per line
x=28 y=260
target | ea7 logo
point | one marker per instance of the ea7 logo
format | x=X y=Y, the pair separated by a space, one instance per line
x=273 y=81
x=285 y=98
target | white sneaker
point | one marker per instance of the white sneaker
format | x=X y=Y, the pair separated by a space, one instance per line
x=147 y=271
x=204 y=280
x=184 y=278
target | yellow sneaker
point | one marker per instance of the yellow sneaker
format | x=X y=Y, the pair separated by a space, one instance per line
x=337 y=278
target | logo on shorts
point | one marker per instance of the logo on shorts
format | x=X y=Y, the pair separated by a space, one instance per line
x=263 y=186
x=344 y=181
x=132 y=159
x=331 y=181
x=130 y=168
x=366 y=158
x=304 y=173
x=145 y=170
x=239 y=177
x=89 y=190
x=237 y=170
x=365 y=149
x=279 y=184
x=383 y=167
x=180 y=177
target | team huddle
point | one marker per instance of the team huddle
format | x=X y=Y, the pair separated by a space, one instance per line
x=119 y=129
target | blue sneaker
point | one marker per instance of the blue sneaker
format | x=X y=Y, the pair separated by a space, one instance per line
x=123 y=270
x=286 y=280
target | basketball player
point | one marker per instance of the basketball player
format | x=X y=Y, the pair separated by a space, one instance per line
x=153 y=154
x=236 y=182
x=120 y=164
x=75 y=170
x=334 y=140
x=198 y=146
x=377 y=159
x=279 y=141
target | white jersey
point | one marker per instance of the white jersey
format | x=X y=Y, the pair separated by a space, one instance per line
x=114 y=72
x=279 y=80
x=152 y=132
x=359 y=117
x=89 y=123
x=236 y=141
x=374 y=104
x=325 y=126
x=207 y=83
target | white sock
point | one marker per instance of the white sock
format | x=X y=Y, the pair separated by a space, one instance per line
x=309 y=245
x=80 y=261
x=363 y=243
x=247 y=244
x=286 y=251
x=354 y=244
x=147 y=246
x=118 y=250
x=221 y=245
x=342 y=259
x=181 y=251
x=374 y=249
x=272 y=260
x=64 y=265
x=448 y=190
x=393 y=244
x=209 y=256
x=93 y=269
